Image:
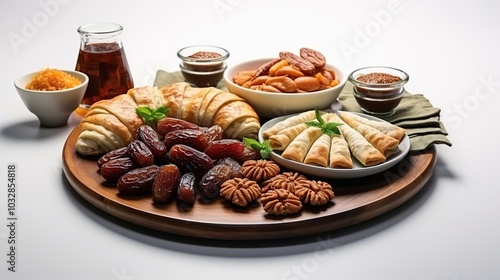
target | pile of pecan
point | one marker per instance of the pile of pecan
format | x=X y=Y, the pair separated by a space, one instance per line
x=290 y=73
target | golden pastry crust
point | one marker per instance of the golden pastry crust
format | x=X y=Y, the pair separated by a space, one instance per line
x=215 y=105
x=291 y=121
x=122 y=107
x=384 y=143
x=114 y=122
x=318 y=153
x=108 y=125
x=234 y=110
x=173 y=96
x=390 y=129
x=282 y=139
x=298 y=148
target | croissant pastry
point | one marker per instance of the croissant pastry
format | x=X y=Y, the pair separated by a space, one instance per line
x=113 y=123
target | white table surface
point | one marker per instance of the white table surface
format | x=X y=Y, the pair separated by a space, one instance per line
x=448 y=231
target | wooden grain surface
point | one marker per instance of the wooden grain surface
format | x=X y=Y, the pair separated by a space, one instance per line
x=355 y=201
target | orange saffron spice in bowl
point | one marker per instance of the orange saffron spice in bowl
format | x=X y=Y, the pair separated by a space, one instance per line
x=52 y=79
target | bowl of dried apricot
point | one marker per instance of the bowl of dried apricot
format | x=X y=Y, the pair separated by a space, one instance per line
x=287 y=84
x=51 y=94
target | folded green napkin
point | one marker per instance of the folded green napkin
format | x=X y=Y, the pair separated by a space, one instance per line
x=415 y=113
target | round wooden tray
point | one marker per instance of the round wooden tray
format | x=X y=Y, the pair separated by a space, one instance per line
x=355 y=201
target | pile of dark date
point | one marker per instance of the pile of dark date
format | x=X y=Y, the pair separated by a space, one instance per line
x=176 y=160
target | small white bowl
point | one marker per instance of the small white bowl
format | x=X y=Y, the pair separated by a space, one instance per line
x=53 y=108
x=270 y=104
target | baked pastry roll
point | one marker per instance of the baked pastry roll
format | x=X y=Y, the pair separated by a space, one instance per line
x=280 y=141
x=387 y=128
x=360 y=148
x=108 y=125
x=298 y=148
x=113 y=123
x=318 y=153
x=339 y=155
x=288 y=122
x=385 y=144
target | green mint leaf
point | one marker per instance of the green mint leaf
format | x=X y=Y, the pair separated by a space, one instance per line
x=144 y=112
x=150 y=116
x=252 y=143
x=330 y=128
x=318 y=116
x=263 y=148
x=163 y=110
x=313 y=123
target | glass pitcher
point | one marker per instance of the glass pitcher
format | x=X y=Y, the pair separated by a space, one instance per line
x=103 y=59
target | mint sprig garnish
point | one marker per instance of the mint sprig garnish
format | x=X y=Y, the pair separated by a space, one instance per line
x=150 y=116
x=264 y=148
x=328 y=128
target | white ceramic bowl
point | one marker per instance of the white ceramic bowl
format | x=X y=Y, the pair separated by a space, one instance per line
x=53 y=108
x=270 y=105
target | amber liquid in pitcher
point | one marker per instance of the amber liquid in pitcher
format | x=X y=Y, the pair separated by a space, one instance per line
x=108 y=71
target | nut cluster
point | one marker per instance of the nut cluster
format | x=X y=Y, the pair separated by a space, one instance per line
x=240 y=191
x=281 y=194
x=285 y=180
x=280 y=202
x=314 y=192
x=260 y=170
x=290 y=73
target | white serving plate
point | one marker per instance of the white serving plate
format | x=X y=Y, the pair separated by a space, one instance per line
x=358 y=169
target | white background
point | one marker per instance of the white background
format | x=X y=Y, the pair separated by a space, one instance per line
x=449 y=231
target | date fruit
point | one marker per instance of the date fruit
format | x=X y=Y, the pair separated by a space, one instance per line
x=186 y=191
x=149 y=136
x=168 y=124
x=193 y=138
x=140 y=153
x=214 y=132
x=137 y=181
x=211 y=181
x=113 y=169
x=165 y=183
x=117 y=153
x=248 y=154
x=190 y=158
x=234 y=165
x=225 y=148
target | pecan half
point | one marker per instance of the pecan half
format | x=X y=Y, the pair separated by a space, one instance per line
x=315 y=57
x=304 y=65
x=264 y=68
